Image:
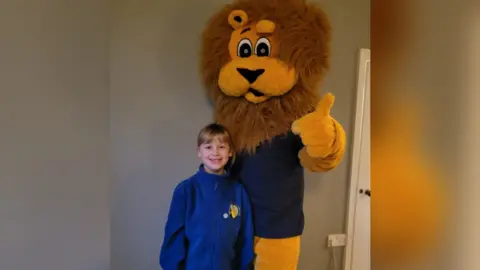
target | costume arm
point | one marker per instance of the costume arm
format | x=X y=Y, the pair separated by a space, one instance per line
x=332 y=158
x=174 y=248
x=244 y=245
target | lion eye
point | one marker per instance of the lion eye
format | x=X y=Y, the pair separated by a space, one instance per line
x=262 y=48
x=244 y=48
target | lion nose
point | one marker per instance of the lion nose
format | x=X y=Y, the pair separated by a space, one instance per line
x=250 y=75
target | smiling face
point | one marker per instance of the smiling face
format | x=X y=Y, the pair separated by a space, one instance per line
x=254 y=71
x=214 y=154
x=214 y=148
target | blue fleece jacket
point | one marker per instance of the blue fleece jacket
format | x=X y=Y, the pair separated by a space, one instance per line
x=209 y=225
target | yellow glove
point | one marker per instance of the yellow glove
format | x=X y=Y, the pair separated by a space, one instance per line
x=320 y=133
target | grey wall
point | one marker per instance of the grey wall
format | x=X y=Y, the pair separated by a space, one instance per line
x=154 y=56
x=54 y=169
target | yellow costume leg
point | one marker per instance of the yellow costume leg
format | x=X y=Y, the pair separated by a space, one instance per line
x=277 y=254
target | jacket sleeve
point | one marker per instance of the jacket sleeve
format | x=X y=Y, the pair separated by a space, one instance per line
x=245 y=241
x=174 y=248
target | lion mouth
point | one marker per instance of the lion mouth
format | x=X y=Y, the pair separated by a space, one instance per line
x=256 y=92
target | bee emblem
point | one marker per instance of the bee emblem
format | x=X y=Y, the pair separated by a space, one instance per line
x=234 y=211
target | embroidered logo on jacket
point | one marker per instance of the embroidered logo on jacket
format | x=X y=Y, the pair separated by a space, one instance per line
x=234 y=211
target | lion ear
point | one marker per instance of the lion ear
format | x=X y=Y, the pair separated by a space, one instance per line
x=237 y=19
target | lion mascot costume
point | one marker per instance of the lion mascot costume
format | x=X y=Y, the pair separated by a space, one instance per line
x=262 y=62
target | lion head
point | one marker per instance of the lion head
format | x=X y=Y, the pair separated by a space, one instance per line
x=261 y=62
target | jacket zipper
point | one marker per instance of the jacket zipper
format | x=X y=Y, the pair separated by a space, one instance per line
x=216 y=233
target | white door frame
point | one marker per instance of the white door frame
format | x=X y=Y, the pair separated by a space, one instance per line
x=362 y=95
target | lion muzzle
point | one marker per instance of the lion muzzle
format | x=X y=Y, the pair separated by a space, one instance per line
x=250 y=75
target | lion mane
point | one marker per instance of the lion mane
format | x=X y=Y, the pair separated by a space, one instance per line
x=302 y=38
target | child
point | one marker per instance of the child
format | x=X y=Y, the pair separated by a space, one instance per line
x=209 y=225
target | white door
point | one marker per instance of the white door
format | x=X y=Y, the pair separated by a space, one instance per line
x=357 y=255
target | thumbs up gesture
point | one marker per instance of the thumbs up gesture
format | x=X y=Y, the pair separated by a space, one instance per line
x=319 y=131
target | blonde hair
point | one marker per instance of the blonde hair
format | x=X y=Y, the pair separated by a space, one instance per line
x=215 y=131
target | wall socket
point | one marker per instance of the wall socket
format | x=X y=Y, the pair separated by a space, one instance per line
x=336 y=240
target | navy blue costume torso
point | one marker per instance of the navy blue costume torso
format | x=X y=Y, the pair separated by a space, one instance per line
x=274 y=180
